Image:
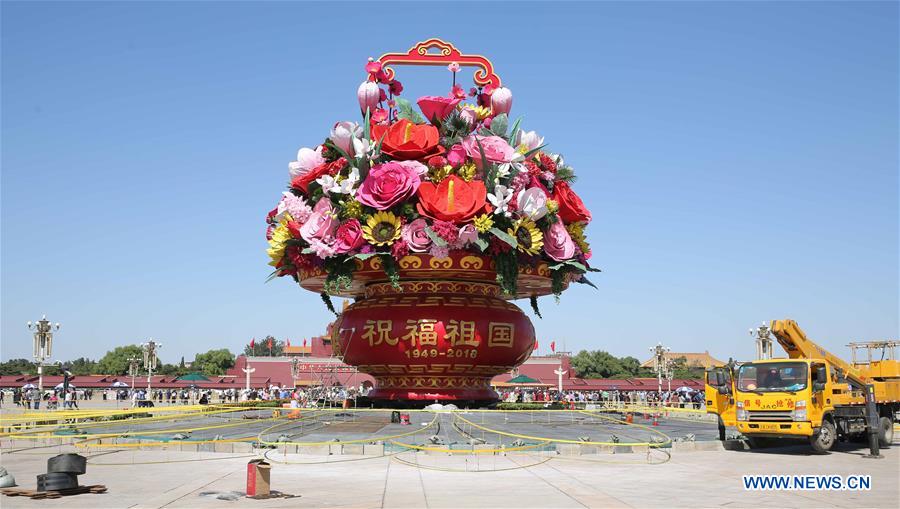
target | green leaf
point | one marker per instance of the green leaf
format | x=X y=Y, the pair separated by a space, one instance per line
x=515 y=131
x=438 y=241
x=481 y=243
x=535 y=308
x=405 y=110
x=585 y=281
x=505 y=237
x=366 y=133
x=361 y=256
x=499 y=125
x=534 y=151
x=484 y=160
x=273 y=275
x=330 y=144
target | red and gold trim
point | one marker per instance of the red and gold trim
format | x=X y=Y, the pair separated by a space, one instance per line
x=421 y=54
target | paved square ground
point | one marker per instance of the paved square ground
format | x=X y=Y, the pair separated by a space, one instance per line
x=153 y=479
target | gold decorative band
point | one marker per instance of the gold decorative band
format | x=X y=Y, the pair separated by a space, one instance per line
x=433 y=287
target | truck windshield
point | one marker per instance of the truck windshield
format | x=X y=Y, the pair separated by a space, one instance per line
x=772 y=377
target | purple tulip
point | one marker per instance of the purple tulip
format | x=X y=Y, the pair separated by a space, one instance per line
x=501 y=101
x=368 y=94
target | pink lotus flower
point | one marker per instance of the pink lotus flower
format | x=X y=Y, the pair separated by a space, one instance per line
x=501 y=101
x=415 y=237
x=342 y=135
x=496 y=149
x=458 y=92
x=529 y=140
x=558 y=243
x=368 y=94
x=348 y=236
x=456 y=156
x=467 y=235
x=437 y=108
x=388 y=184
x=321 y=223
x=453 y=67
x=532 y=203
x=307 y=159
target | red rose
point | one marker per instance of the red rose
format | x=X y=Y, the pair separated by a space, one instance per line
x=571 y=208
x=437 y=162
x=348 y=236
x=302 y=182
x=405 y=140
x=436 y=108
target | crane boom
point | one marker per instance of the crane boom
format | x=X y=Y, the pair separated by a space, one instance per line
x=794 y=341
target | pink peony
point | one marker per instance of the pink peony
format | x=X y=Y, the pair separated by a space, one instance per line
x=557 y=242
x=415 y=166
x=439 y=251
x=415 y=237
x=348 y=236
x=496 y=149
x=307 y=159
x=437 y=108
x=456 y=156
x=388 y=184
x=321 y=223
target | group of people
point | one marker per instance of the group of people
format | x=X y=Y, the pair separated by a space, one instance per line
x=682 y=399
x=32 y=397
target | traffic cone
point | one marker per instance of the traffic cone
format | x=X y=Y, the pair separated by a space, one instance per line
x=656 y=419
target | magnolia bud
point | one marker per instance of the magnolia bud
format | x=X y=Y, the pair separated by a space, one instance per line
x=501 y=101
x=368 y=95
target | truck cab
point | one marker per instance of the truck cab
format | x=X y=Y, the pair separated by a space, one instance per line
x=720 y=396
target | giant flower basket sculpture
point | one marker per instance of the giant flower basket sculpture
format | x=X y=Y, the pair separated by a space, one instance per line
x=433 y=222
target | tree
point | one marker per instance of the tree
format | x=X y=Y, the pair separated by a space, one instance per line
x=17 y=367
x=261 y=348
x=82 y=366
x=115 y=362
x=681 y=369
x=213 y=362
x=601 y=364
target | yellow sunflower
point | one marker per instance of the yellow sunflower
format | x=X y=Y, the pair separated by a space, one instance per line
x=576 y=231
x=382 y=229
x=480 y=111
x=528 y=236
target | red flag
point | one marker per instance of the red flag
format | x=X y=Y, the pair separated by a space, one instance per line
x=289 y=343
x=252 y=343
x=535 y=344
x=553 y=346
x=304 y=343
x=270 y=344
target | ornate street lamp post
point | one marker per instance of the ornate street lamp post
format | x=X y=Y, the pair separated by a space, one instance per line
x=660 y=358
x=43 y=345
x=150 y=348
x=295 y=371
x=133 y=365
x=763 y=341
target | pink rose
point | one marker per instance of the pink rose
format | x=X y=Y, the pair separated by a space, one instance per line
x=415 y=166
x=437 y=108
x=348 y=236
x=307 y=159
x=557 y=242
x=321 y=223
x=496 y=149
x=388 y=184
x=415 y=237
x=457 y=156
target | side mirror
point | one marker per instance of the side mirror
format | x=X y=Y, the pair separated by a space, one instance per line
x=821 y=375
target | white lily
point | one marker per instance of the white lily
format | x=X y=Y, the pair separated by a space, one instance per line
x=500 y=199
x=346 y=186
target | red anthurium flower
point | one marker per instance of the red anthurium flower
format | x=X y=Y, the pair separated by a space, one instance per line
x=453 y=200
x=405 y=140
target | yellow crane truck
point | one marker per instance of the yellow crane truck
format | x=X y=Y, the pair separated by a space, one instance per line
x=812 y=394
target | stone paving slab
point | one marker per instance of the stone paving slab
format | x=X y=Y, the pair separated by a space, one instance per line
x=155 y=479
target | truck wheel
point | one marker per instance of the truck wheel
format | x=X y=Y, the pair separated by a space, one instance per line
x=824 y=439
x=721 y=429
x=885 y=432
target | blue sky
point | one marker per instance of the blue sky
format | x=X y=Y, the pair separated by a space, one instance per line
x=740 y=159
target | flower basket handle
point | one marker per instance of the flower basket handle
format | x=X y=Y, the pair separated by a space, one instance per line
x=420 y=54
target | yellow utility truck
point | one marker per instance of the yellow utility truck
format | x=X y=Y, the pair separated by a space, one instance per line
x=811 y=394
